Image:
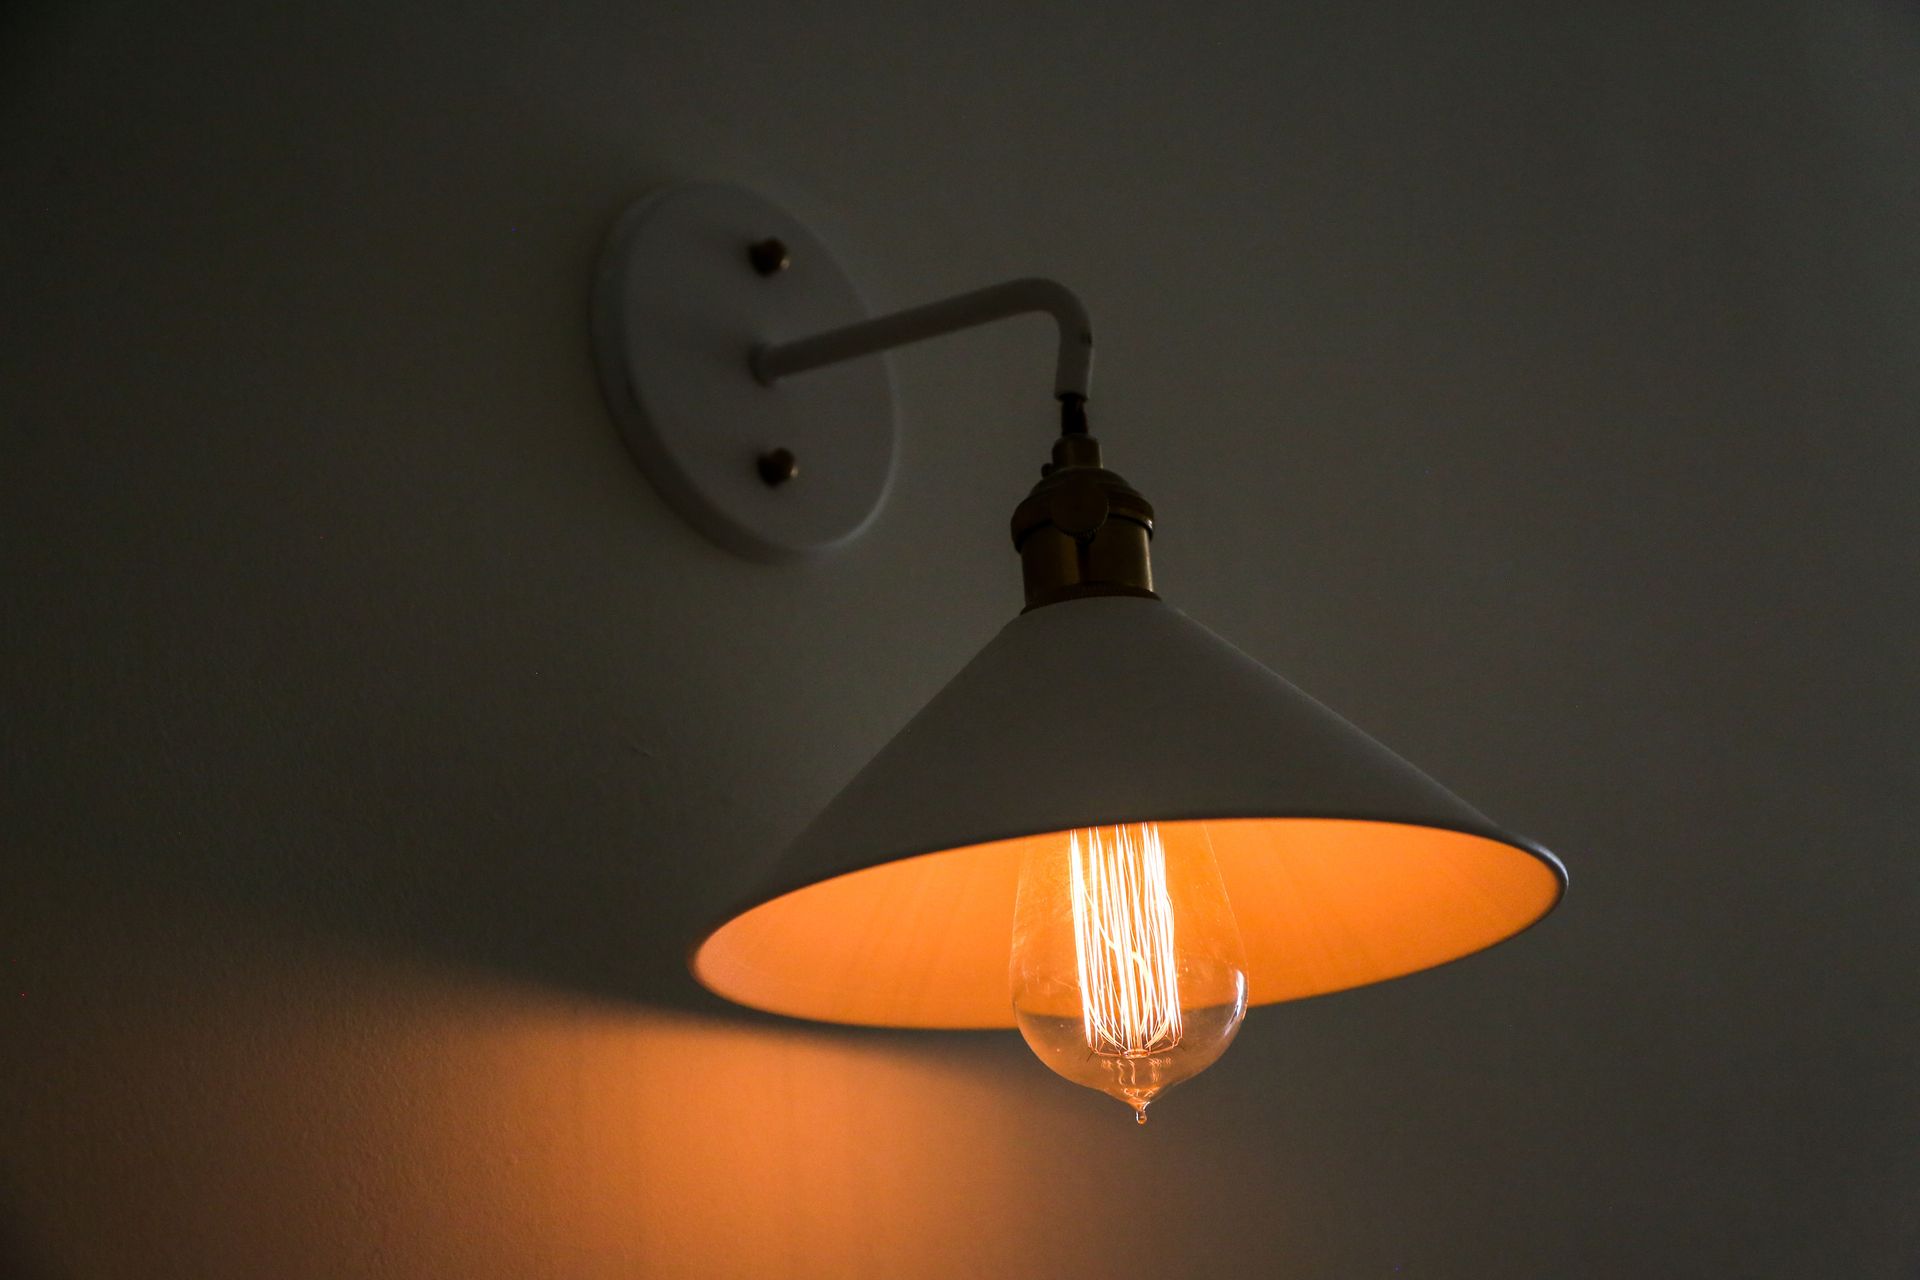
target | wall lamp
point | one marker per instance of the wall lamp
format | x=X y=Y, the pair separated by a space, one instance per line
x=1112 y=829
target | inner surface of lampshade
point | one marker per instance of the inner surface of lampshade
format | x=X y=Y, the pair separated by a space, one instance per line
x=1323 y=904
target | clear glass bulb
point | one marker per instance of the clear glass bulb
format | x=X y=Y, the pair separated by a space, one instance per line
x=1128 y=973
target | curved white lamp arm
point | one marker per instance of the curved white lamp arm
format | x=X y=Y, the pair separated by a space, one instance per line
x=1073 y=371
x=691 y=278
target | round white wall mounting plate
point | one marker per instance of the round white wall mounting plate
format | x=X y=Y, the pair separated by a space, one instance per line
x=678 y=305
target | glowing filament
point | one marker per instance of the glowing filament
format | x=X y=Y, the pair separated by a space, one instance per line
x=1123 y=934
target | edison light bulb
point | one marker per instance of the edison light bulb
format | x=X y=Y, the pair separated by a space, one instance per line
x=1128 y=974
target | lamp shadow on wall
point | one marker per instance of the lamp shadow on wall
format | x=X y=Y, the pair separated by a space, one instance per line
x=400 y=668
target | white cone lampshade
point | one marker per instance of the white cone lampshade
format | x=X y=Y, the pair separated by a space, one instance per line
x=1343 y=864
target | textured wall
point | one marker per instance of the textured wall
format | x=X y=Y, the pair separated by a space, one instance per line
x=1535 y=383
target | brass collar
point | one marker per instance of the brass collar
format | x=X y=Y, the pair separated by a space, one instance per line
x=1083 y=531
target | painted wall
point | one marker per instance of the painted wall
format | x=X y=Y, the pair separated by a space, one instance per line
x=1535 y=383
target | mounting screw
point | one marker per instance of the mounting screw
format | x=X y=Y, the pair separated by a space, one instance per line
x=769 y=257
x=777 y=466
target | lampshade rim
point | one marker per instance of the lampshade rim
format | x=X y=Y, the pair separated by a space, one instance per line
x=1532 y=848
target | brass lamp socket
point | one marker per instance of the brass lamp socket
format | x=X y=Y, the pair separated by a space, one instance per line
x=1083 y=531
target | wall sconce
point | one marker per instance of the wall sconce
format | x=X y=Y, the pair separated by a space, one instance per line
x=1112 y=829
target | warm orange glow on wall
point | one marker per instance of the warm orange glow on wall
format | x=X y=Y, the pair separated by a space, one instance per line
x=210 y=1094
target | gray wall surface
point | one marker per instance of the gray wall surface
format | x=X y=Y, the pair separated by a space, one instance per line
x=1535 y=383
